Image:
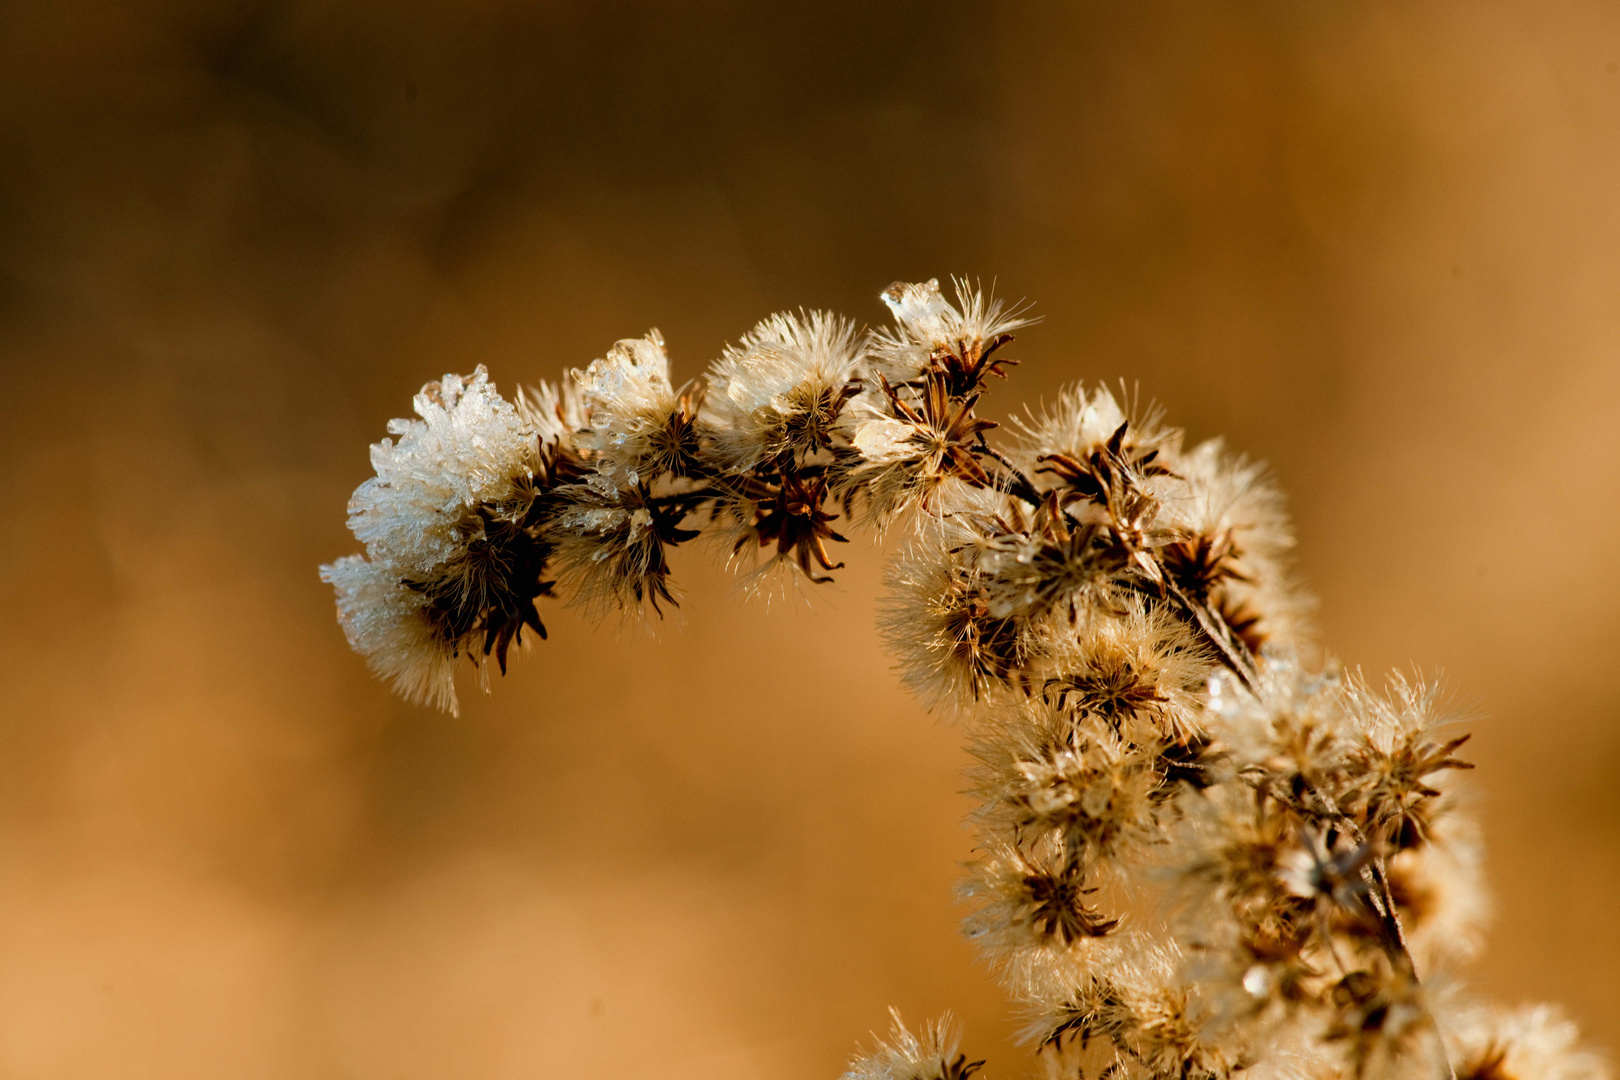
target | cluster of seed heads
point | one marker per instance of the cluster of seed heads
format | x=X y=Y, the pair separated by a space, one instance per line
x=1202 y=851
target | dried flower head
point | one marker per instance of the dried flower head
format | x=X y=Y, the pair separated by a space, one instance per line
x=782 y=391
x=961 y=339
x=1533 y=1042
x=932 y=1055
x=640 y=427
x=453 y=565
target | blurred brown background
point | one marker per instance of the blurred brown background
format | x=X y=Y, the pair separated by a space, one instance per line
x=1377 y=244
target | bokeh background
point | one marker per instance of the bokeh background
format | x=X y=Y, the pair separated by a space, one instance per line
x=1376 y=244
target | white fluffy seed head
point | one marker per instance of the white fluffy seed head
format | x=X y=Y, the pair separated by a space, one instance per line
x=781 y=389
x=468 y=448
x=927 y=324
x=629 y=401
x=931 y=1054
x=956 y=650
x=1527 y=1042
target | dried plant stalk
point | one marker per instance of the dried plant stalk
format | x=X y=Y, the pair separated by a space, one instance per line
x=1197 y=857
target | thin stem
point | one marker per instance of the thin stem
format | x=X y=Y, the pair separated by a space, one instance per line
x=1020 y=486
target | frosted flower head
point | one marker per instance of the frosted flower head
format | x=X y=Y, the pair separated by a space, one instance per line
x=783 y=388
x=452 y=526
x=960 y=340
x=468 y=447
x=639 y=427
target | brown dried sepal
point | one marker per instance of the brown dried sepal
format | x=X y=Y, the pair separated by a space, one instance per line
x=1054 y=906
x=988 y=647
x=1201 y=564
x=964 y=368
x=1392 y=797
x=943 y=427
x=1117 y=692
x=791 y=515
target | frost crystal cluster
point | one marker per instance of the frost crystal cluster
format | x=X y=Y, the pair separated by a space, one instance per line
x=1198 y=856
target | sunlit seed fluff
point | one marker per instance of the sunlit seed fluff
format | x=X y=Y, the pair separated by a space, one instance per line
x=1285 y=700
x=1138 y=668
x=927 y=325
x=1217 y=528
x=1440 y=888
x=1079 y=421
x=1528 y=1042
x=632 y=435
x=1047 y=770
x=1226 y=499
x=783 y=388
x=1382 y=1026
x=897 y=470
x=1132 y=1002
x=953 y=650
x=932 y=1054
x=384 y=622
x=608 y=550
x=1034 y=897
x=915 y=449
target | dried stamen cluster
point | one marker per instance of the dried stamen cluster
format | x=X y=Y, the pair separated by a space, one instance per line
x=1197 y=859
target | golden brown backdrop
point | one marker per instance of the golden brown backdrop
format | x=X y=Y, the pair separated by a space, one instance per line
x=1377 y=244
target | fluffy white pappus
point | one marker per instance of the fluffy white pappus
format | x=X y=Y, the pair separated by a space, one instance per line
x=953 y=651
x=931 y=1055
x=926 y=324
x=782 y=388
x=468 y=447
x=1530 y=1042
x=1221 y=527
x=914 y=468
x=1440 y=889
x=1135 y=1001
x=1228 y=501
x=897 y=471
x=1246 y=720
x=631 y=404
x=383 y=621
x=555 y=413
x=1033 y=901
x=1080 y=421
x=1047 y=770
x=1138 y=668
x=608 y=551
